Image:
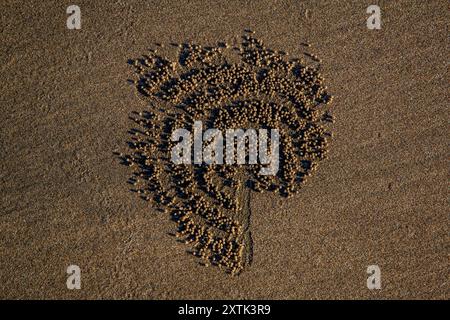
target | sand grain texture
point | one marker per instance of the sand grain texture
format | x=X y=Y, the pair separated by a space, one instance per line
x=380 y=198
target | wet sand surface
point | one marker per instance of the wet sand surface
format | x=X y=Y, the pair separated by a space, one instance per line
x=381 y=198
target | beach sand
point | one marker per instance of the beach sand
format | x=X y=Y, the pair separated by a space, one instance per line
x=381 y=198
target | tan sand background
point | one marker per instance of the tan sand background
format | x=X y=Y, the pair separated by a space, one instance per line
x=381 y=198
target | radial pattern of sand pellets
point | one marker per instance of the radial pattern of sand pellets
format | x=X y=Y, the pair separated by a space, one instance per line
x=247 y=86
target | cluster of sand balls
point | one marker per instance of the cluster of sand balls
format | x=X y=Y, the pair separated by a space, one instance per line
x=264 y=89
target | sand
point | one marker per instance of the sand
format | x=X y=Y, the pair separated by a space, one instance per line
x=380 y=198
